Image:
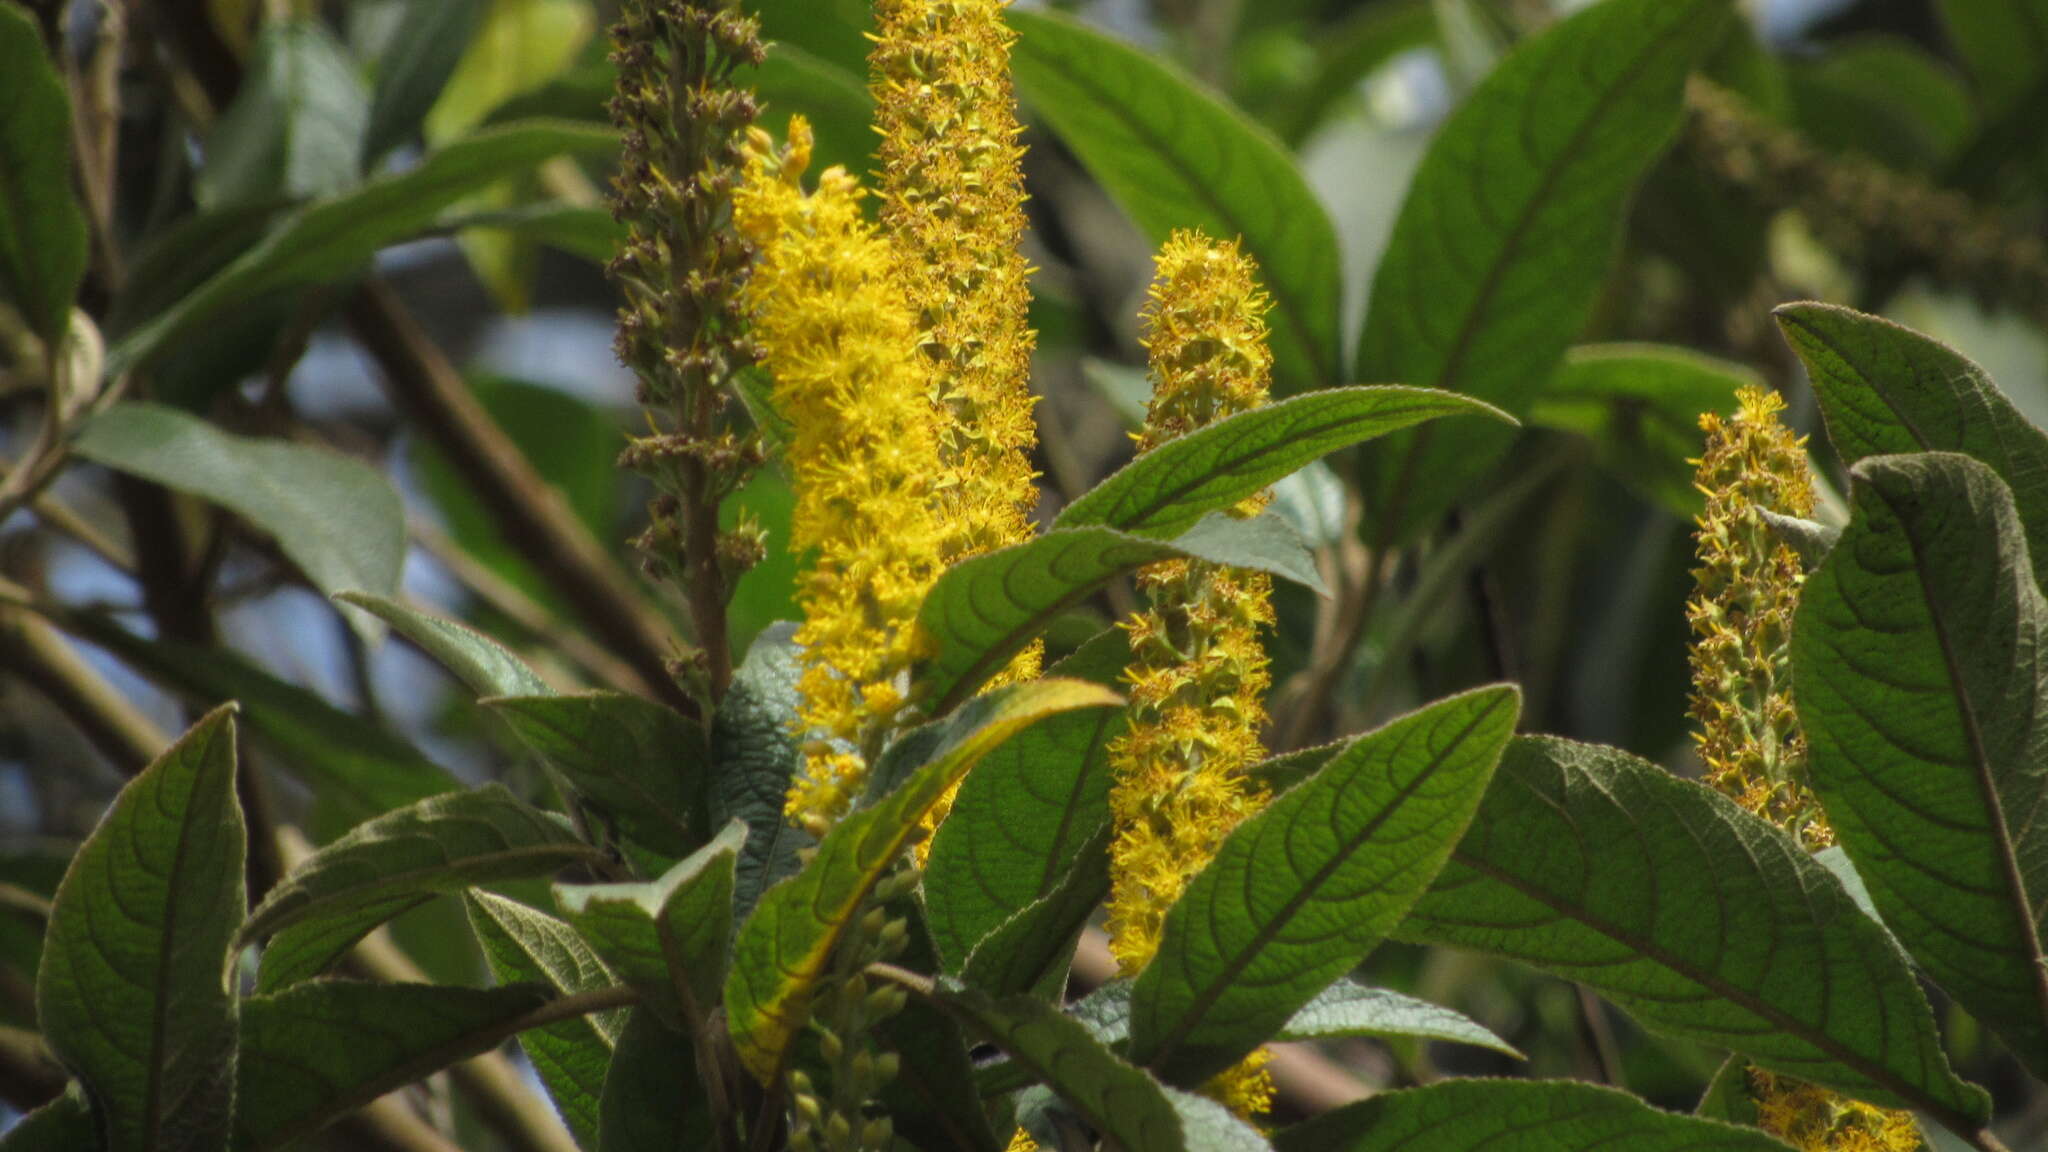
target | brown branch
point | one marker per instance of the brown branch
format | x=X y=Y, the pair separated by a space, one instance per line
x=532 y=514
x=48 y=663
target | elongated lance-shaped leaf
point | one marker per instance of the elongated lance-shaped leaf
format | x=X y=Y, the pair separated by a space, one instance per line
x=294 y=129
x=1515 y=1116
x=1175 y=156
x=1163 y=492
x=42 y=229
x=1920 y=668
x=1887 y=390
x=440 y=845
x=1345 y=1008
x=486 y=666
x=652 y=1101
x=1701 y=920
x=1032 y=949
x=525 y=946
x=784 y=947
x=754 y=743
x=313 y=1053
x=1508 y=229
x=338 y=519
x=1298 y=894
x=668 y=937
x=636 y=761
x=133 y=993
x=985 y=610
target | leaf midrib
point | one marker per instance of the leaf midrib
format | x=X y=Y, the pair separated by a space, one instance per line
x=1267 y=932
x=159 y=1024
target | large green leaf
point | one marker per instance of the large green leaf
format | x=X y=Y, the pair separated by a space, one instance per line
x=1031 y=950
x=1640 y=405
x=636 y=761
x=784 y=947
x=338 y=519
x=571 y=1056
x=332 y=237
x=133 y=994
x=1700 y=919
x=295 y=127
x=425 y=48
x=754 y=744
x=653 y=1097
x=440 y=845
x=1920 y=666
x=486 y=666
x=1298 y=894
x=667 y=938
x=314 y=1053
x=2004 y=43
x=1165 y=491
x=1515 y=1116
x=1508 y=229
x=1175 y=156
x=42 y=230
x=985 y=610
x=1886 y=390
x=364 y=769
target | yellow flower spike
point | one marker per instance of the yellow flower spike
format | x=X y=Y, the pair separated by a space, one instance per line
x=830 y=315
x=1816 y=1120
x=1198 y=674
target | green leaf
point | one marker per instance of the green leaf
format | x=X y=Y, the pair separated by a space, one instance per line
x=338 y=519
x=42 y=230
x=295 y=127
x=1348 y=1008
x=1031 y=949
x=1920 y=667
x=486 y=666
x=639 y=762
x=331 y=238
x=1515 y=1116
x=985 y=610
x=133 y=995
x=1727 y=1095
x=1206 y=1126
x=1508 y=229
x=571 y=1056
x=784 y=946
x=425 y=48
x=314 y=1053
x=440 y=845
x=650 y=1102
x=1175 y=156
x=666 y=938
x=1299 y=893
x=1886 y=390
x=754 y=744
x=1701 y=920
x=62 y=1125
x=792 y=82
x=1127 y=1106
x=364 y=768
x=1640 y=405
x=2004 y=43
x=1165 y=491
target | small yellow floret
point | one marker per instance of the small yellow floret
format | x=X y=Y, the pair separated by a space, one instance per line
x=1816 y=1120
x=830 y=315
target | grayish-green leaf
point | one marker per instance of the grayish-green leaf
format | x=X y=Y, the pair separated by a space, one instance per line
x=1348 y=1008
x=1640 y=405
x=667 y=938
x=1515 y=1116
x=295 y=127
x=638 y=762
x=1698 y=918
x=1299 y=893
x=42 y=230
x=1508 y=229
x=440 y=845
x=133 y=994
x=486 y=666
x=338 y=519
x=1920 y=667
x=1165 y=491
x=1886 y=390
x=313 y=1053
x=1206 y=1126
x=425 y=48
x=1175 y=156
x=571 y=1056
x=1809 y=538
x=754 y=744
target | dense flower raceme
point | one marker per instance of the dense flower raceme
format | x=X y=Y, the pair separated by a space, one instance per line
x=831 y=316
x=1198 y=673
x=1748 y=586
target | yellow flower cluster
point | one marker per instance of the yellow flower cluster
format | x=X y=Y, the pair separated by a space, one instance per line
x=1197 y=674
x=952 y=187
x=1746 y=588
x=830 y=314
x=1816 y=1120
